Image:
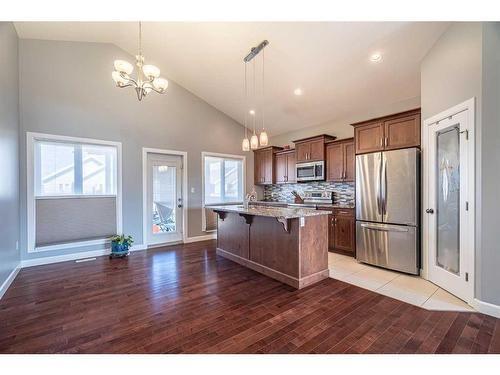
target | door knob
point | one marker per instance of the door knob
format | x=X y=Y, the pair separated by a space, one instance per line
x=429 y=211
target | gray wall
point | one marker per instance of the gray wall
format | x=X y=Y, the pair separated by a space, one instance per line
x=9 y=150
x=490 y=161
x=464 y=63
x=66 y=89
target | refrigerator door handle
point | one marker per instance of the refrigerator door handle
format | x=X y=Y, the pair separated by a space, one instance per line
x=379 y=187
x=384 y=228
x=383 y=183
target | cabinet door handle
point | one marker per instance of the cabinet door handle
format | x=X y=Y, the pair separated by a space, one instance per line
x=381 y=142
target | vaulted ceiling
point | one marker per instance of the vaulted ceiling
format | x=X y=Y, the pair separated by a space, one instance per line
x=329 y=61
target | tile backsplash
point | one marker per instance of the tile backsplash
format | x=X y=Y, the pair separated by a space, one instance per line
x=343 y=192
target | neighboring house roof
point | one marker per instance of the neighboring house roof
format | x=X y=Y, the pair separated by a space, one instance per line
x=70 y=168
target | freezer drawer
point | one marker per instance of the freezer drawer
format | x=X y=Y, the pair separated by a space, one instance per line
x=390 y=246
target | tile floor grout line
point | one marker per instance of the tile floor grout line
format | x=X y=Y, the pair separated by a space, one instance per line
x=422 y=305
x=390 y=281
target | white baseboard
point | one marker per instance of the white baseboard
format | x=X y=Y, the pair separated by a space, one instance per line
x=73 y=256
x=486 y=308
x=211 y=236
x=9 y=280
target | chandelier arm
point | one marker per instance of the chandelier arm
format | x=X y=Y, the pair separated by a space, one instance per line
x=158 y=91
x=126 y=85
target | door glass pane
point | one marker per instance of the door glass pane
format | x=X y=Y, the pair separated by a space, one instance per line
x=448 y=200
x=164 y=198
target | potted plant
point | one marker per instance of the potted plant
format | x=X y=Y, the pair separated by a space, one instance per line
x=120 y=245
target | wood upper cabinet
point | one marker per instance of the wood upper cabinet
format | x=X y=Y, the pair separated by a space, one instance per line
x=301 y=152
x=369 y=138
x=349 y=161
x=317 y=150
x=281 y=168
x=334 y=162
x=402 y=132
x=340 y=161
x=392 y=132
x=311 y=149
x=264 y=168
x=285 y=166
x=290 y=164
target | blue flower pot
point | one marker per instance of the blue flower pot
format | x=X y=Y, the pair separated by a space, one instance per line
x=116 y=248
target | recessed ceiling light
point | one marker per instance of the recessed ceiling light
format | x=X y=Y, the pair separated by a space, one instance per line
x=252 y=112
x=297 y=92
x=376 y=57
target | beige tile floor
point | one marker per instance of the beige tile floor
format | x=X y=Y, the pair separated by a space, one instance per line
x=410 y=289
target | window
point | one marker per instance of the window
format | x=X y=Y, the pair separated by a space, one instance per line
x=223 y=179
x=63 y=168
x=73 y=191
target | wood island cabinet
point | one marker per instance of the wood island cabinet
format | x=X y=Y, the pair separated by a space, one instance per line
x=285 y=166
x=264 y=168
x=311 y=149
x=340 y=161
x=392 y=132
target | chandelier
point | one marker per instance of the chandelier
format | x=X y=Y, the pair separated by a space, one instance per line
x=262 y=139
x=148 y=76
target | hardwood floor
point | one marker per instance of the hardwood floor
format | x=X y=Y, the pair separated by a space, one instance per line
x=185 y=299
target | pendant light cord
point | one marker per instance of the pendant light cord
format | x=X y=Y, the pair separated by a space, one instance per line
x=254 y=95
x=246 y=100
x=140 y=38
x=262 y=99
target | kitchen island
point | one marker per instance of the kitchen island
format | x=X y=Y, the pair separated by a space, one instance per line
x=287 y=244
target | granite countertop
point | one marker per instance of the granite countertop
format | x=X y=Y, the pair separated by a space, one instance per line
x=319 y=205
x=277 y=212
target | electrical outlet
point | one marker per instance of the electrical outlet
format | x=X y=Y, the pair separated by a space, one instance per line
x=192 y=190
x=17 y=245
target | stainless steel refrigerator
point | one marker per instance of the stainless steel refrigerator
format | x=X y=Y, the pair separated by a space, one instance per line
x=387 y=209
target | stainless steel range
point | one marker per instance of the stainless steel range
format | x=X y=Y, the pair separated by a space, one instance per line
x=315 y=197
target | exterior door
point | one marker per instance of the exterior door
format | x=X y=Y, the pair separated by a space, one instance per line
x=450 y=248
x=164 y=198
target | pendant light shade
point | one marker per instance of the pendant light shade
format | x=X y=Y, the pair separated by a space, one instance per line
x=245 y=145
x=254 y=142
x=263 y=139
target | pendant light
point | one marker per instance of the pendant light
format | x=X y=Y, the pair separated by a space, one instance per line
x=254 y=140
x=245 y=145
x=264 y=140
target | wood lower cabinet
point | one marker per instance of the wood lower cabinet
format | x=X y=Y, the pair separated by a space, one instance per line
x=311 y=149
x=342 y=231
x=340 y=161
x=285 y=166
x=400 y=130
x=264 y=165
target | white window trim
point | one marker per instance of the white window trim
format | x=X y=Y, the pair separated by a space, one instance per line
x=30 y=190
x=219 y=155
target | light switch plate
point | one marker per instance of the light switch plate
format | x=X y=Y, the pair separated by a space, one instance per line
x=302 y=221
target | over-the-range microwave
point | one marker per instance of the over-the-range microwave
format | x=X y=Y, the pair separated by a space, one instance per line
x=313 y=171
